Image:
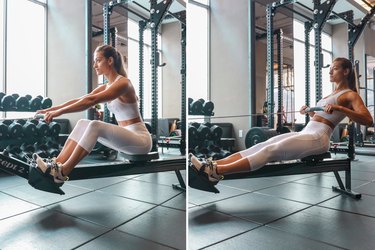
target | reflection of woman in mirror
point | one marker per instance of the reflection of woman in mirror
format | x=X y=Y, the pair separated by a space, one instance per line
x=312 y=140
x=130 y=135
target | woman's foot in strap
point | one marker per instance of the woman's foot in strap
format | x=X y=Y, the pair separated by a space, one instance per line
x=207 y=168
x=51 y=168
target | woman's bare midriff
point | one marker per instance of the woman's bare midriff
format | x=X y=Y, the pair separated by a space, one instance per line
x=129 y=122
x=317 y=118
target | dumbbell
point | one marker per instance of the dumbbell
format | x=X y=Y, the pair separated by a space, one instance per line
x=46 y=102
x=201 y=151
x=193 y=133
x=7 y=102
x=14 y=128
x=54 y=129
x=42 y=127
x=29 y=129
x=34 y=103
x=3 y=131
x=207 y=107
x=195 y=107
x=53 y=149
x=41 y=149
x=22 y=103
x=203 y=131
x=215 y=131
x=27 y=151
x=190 y=101
x=13 y=151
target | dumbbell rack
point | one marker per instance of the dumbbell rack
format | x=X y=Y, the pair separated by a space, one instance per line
x=26 y=131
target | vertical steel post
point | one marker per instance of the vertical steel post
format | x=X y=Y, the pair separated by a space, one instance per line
x=308 y=27
x=280 y=79
x=270 y=61
x=142 y=26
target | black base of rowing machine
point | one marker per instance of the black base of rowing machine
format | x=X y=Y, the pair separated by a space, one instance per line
x=348 y=192
x=197 y=181
x=141 y=158
x=39 y=181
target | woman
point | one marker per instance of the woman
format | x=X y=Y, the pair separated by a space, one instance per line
x=130 y=135
x=313 y=139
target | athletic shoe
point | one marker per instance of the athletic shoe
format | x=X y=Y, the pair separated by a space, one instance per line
x=206 y=168
x=51 y=168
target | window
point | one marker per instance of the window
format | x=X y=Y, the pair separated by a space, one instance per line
x=2 y=19
x=133 y=65
x=299 y=67
x=25 y=49
x=197 y=50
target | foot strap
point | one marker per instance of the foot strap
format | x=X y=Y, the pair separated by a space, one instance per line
x=40 y=181
x=198 y=181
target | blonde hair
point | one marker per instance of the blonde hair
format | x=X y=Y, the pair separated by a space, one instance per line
x=109 y=51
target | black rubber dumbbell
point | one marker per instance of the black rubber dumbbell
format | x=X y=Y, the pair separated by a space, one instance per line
x=7 y=102
x=42 y=127
x=34 y=103
x=54 y=129
x=41 y=149
x=14 y=128
x=3 y=131
x=29 y=129
x=46 y=102
x=22 y=104
x=195 y=107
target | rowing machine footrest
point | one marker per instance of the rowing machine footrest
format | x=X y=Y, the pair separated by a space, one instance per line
x=315 y=158
x=39 y=181
x=200 y=182
x=145 y=157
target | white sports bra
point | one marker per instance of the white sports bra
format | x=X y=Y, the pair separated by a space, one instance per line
x=336 y=117
x=123 y=111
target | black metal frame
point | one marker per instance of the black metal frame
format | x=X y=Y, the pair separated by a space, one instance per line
x=328 y=165
x=89 y=171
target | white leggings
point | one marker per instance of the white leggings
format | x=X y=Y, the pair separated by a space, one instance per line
x=132 y=139
x=312 y=140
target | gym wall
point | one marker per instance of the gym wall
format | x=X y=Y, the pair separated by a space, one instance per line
x=230 y=64
x=66 y=53
x=171 y=81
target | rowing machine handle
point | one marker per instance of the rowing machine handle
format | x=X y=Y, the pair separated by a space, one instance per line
x=312 y=109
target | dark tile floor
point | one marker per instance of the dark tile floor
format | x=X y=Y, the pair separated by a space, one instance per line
x=288 y=212
x=130 y=212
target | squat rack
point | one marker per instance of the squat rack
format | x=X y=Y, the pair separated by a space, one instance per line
x=158 y=12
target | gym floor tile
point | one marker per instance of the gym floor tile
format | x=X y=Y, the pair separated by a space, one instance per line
x=207 y=227
x=251 y=184
x=116 y=240
x=102 y=208
x=163 y=178
x=199 y=197
x=300 y=192
x=28 y=193
x=325 y=181
x=10 y=206
x=368 y=189
x=178 y=202
x=95 y=184
x=256 y=207
x=143 y=191
x=363 y=206
x=342 y=229
x=162 y=225
x=45 y=229
x=265 y=238
x=8 y=181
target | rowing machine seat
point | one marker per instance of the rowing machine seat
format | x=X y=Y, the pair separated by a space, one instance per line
x=141 y=158
x=315 y=158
